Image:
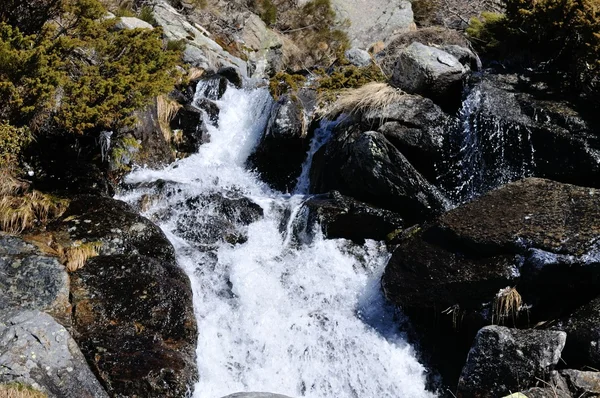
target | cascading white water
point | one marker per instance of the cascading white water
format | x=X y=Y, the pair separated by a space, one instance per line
x=484 y=152
x=273 y=314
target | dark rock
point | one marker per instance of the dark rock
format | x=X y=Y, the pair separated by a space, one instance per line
x=134 y=322
x=116 y=226
x=65 y=164
x=232 y=75
x=282 y=149
x=451 y=276
x=344 y=217
x=154 y=149
x=583 y=335
x=518 y=128
x=189 y=120
x=504 y=360
x=366 y=166
x=211 y=87
x=36 y=350
x=429 y=71
x=213 y=218
x=582 y=384
x=32 y=280
x=416 y=127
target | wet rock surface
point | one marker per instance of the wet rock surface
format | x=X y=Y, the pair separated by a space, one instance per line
x=134 y=322
x=535 y=133
x=455 y=275
x=114 y=224
x=504 y=360
x=343 y=217
x=367 y=167
x=35 y=350
x=282 y=149
x=32 y=280
x=215 y=218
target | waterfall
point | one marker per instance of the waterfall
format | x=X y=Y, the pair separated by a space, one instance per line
x=302 y=319
x=483 y=151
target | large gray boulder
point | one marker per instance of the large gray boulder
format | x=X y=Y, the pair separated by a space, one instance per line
x=263 y=46
x=35 y=350
x=200 y=51
x=129 y=23
x=383 y=19
x=504 y=360
x=431 y=72
x=31 y=280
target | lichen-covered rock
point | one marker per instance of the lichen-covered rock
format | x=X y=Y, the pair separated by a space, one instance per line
x=367 y=167
x=35 y=350
x=262 y=45
x=200 y=51
x=582 y=384
x=128 y=23
x=31 y=280
x=282 y=149
x=383 y=19
x=358 y=57
x=133 y=320
x=504 y=360
x=343 y=217
x=429 y=71
x=114 y=224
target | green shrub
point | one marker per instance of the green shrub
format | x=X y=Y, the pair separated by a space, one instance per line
x=284 y=82
x=562 y=36
x=87 y=75
x=146 y=14
x=12 y=142
x=268 y=12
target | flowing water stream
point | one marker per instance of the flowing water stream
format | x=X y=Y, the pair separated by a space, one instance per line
x=301 y=317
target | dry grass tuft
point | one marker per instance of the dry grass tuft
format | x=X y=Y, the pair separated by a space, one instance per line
x=194 y=73
x=360 y=100
x=72 y=254
x=17 y=390
x=21 y=208
x=507 y=303
x=76 y=256
x=166 y=109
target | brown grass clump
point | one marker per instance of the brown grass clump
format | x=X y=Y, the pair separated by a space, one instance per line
x=76 y=256
x=166 y=109
x=359 y=100
x=72 y=255
x=17 y=390
x=507 y=303
x=21 y=208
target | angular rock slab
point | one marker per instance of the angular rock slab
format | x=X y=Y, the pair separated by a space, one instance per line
x=31 y=280
x=383 y=19
x=133 y=319
x=35 y=350
x=504 y=360
x=429 y=71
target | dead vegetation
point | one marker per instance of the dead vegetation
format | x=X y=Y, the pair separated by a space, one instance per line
x=507 y=304
x=22 y=208
x=72 y=254
x=359 y=100
x=18 y=390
